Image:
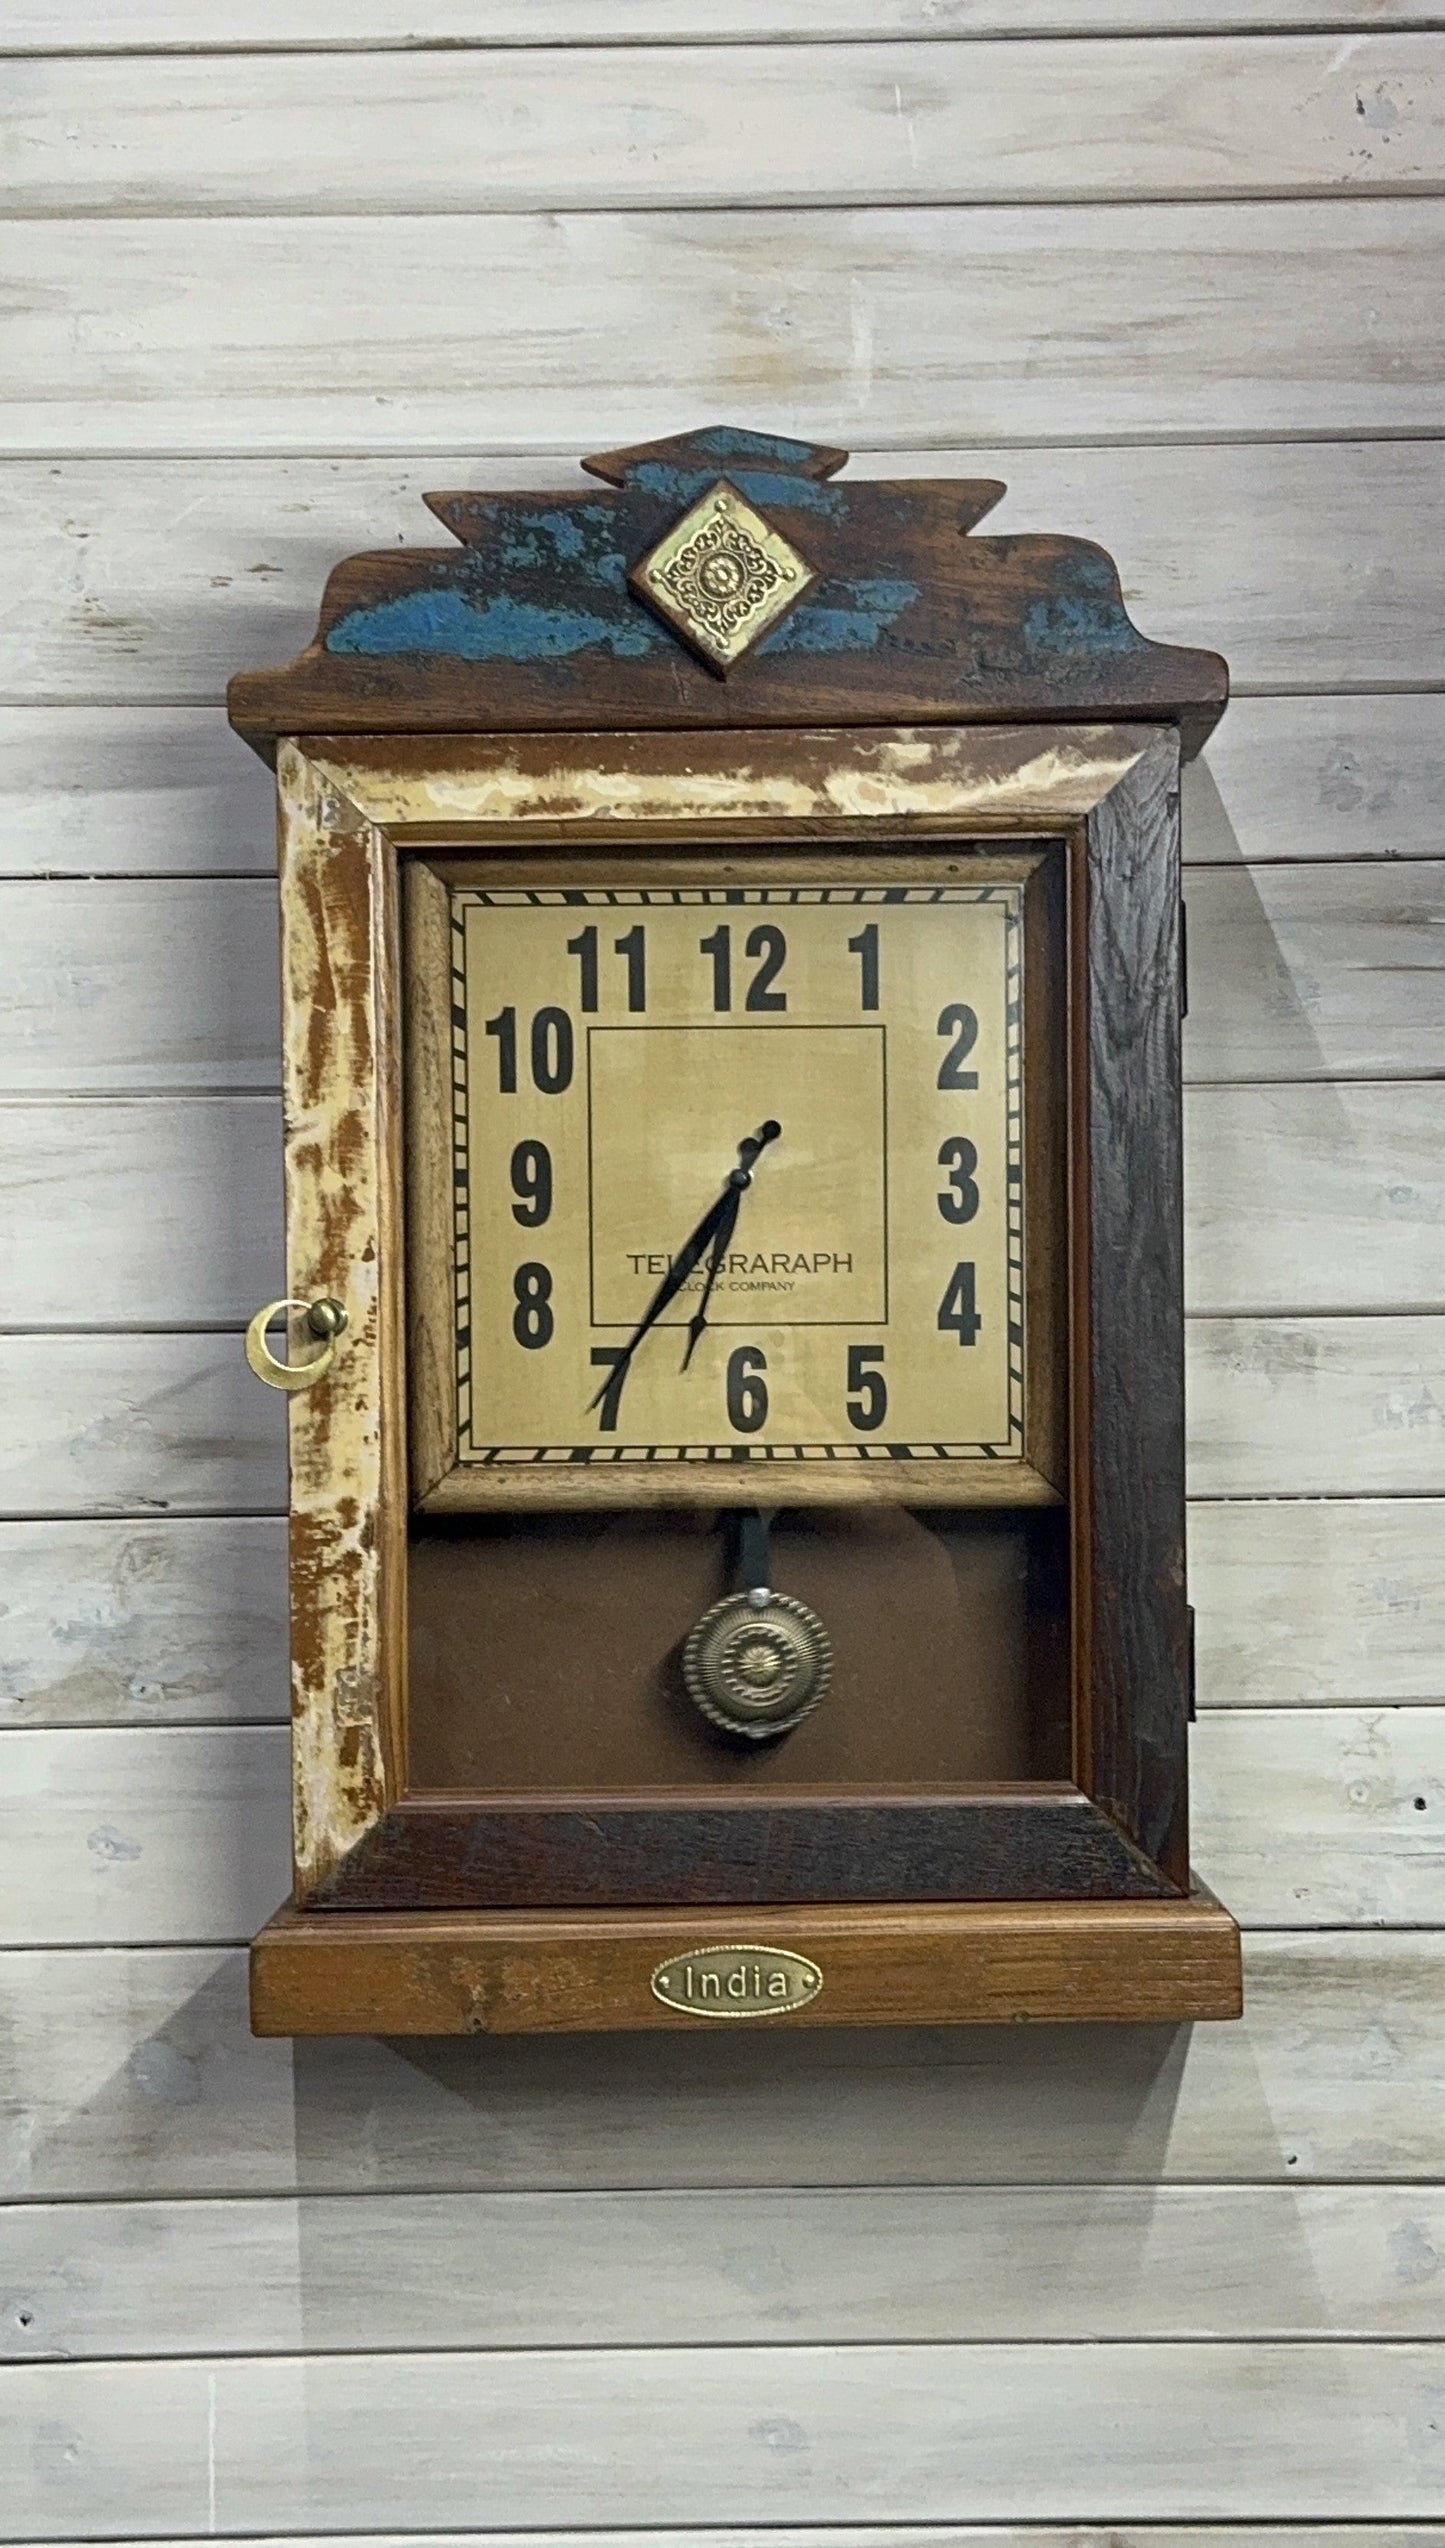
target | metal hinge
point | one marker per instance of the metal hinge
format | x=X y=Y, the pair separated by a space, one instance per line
x=1189 y=1667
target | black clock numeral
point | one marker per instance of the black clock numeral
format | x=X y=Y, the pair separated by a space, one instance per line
x=532 y=1319
x=532 y=1184
x=552 y=1051
x=867 y=1400
x=956 y=1312
x=772 y=946
x=613 y=1359
x=865 y=948
x=960 y=1158
x=766 y=943
x=747 y=1392
x=962 y=1025
x=720 y=947
x=634 y=948
x=584 y=948
x=504 y=1027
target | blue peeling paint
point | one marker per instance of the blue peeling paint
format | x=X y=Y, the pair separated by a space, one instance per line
x=503 y=630
x=823 y=628
x=761 y=487
x=580 y=540
x=732 y=442
x=1069 y=623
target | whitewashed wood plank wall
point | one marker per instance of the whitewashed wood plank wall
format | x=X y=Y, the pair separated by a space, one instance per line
x=266 y=273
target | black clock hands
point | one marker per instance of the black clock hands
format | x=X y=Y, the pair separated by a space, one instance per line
x=712 y=1238
x=724 y=1215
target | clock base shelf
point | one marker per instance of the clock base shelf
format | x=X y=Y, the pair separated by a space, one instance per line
x=925 y=1964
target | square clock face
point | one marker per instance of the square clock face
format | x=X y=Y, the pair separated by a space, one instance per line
x=737 y=1179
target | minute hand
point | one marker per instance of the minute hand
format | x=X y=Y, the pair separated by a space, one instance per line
x=714 y=1231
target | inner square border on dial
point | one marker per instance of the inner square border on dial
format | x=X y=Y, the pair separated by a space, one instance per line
x=693 y=1026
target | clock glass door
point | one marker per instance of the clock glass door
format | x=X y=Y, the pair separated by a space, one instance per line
x=736 y=1186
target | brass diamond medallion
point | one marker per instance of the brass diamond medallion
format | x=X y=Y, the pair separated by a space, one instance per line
x=722 y=577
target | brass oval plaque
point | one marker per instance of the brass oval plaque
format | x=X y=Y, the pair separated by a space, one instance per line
x=737 y=1981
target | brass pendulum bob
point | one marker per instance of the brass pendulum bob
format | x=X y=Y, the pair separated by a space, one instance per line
x=758 y=1661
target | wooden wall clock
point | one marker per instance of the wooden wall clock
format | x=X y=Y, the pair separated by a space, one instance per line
x=732 y=984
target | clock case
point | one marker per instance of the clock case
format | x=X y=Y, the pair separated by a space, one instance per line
x=516 y=697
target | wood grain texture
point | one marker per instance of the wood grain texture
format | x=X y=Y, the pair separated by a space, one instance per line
x=1316 y=1406
x=137 y=1425
x=429 y=1973
x=150 y=791
x=80 y=26
x=133 y=583
x=143 y=1622
x=331 y=2442
x=596 y=1852
x=218 y=335
x=167 y=1622
x=430 y=2271
x=343 y=1240
x=164 y=1423
x=95 y=26
x=1309 y=1820
x=497 y=639
x=1306 y=1605
x=146 y=790
x=102 y=1846
x=514 y=131
x=206 y=1249
x=132 y=986
x=967 y=2535
x=1323 y=1196
x=1298 y=1198
x=151 y=581
x=1131 y=1622
x=429 y=1169
x=1284 y=986
x=135 y=2073
x=142 y=1834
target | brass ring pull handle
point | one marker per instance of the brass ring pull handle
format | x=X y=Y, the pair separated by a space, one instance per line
x=325 y=1318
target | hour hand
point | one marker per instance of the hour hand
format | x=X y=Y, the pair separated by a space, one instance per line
x=713 y=1231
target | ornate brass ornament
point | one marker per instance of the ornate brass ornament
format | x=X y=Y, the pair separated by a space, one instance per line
x=757 y=1667
x=737 y=1981
x=722 y=577
x=324 y=1319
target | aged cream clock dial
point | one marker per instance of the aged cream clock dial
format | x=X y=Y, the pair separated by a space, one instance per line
x=737 y=1178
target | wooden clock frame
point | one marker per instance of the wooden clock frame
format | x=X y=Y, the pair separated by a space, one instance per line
x=1039 y=1899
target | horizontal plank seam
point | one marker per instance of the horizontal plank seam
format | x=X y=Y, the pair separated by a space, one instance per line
x=622 y=2348
x=682 y=2190
x=763 y=2344
x=933 y=2189
x=523 y=207
x=879 y=446
x=32 y=1331
x=422 y=448
x=1127 y=28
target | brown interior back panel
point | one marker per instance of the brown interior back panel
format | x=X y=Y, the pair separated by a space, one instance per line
x=544 y=1654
